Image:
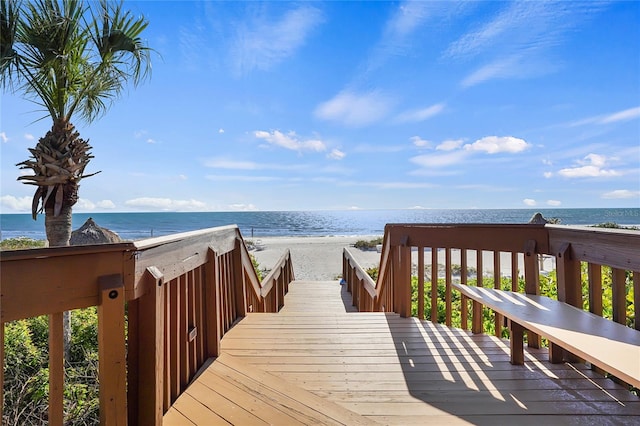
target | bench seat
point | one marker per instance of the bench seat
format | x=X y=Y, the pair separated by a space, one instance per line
x=608 y=345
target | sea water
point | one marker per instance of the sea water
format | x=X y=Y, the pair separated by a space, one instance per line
x=135 y=226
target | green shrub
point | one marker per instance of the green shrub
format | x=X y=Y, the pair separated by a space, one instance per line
x=20 y=243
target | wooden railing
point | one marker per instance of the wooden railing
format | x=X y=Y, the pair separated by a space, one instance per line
x=518 y=249
x=182 y=293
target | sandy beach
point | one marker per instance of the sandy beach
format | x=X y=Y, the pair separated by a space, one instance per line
x=314 y=258
x=320 y=258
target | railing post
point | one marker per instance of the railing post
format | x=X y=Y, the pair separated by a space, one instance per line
x=239 y=281
x=151 y=350
x=569 y=292
x=619 y=295
x=212 y=305
x=112 y=371
x=402 y=278
x=477 y=318
x=531 y=283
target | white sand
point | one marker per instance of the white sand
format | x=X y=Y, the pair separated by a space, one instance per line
x=314 y=258
x=320 y=258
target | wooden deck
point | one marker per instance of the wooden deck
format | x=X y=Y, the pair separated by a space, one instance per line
x=315 y=362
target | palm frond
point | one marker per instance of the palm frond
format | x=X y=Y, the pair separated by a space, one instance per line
x=9 y=58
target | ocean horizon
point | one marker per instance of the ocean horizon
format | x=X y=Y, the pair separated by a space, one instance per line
x=255 y=224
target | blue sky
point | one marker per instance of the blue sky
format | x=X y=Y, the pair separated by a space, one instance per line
x=341 y=105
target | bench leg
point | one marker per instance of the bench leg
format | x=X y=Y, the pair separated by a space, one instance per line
x=516 y=339
x=556 y=353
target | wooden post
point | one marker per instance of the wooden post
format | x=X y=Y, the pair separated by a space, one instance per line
x=568 y=272
x=239 y=281
x=112 y=371
x=56 y=369
x=497 y=284
x=619 y=295
x=477 y=325
x=151 y=349
x=569 y=292
x=531 y=283
x=421 y=283
x=447 y=291
x=212 y=305
x=434 y=284
x=594 y=273
x=515 y=342
x=403 y=278
x=464 y=304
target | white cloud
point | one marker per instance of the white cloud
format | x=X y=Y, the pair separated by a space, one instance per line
x=183 y=177
x=628 y=114
x=16 y=204
x=29 y=136
x=241 y=178
x=3 y=137
x=263 y=42
x=519 y=37
x=591 y=166
x=450 y=145
x=165 y=204
x=106 y=204
x=529 y=202
x=354 y=109
x=624 y=115
x=290 y=141
x=548 y=174
x=621 y=194
x=420 y=114
x=336 y=154
x=223 y=163
x=439 y=160
x=243 y=207
x=84 y=204
x=221 y=131
x=495 y=144
x=419 y=142
x=554 y=203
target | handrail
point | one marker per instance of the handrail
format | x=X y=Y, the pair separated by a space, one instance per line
x=184 y=291
x=578 y=254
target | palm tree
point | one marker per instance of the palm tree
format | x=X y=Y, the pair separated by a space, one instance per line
x=70 y=57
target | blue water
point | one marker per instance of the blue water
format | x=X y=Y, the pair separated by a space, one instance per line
x=134 y=226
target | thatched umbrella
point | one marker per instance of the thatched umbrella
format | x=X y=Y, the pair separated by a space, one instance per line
x=91 y=233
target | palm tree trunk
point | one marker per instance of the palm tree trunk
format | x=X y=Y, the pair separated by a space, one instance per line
x=58 y=229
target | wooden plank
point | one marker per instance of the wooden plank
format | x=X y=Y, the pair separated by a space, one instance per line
x=609 y=345
x=70 y=281
x=56 y=369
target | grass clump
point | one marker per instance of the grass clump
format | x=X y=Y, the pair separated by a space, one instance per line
x=20 y=243
x=368 y=245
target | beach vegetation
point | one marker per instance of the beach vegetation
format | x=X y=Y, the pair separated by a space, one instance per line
x=368 y=245
x=20 y=243
x=26 y=371
x=614 y=225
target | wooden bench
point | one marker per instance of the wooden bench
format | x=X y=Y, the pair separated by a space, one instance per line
x=608 y=345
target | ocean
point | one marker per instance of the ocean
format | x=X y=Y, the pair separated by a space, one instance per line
x=135 y=226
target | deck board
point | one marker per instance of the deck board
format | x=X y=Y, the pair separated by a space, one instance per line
x=401 y=371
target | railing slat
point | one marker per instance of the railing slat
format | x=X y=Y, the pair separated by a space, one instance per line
x=56 y=369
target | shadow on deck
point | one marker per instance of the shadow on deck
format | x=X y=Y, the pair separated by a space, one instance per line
x=316 y=363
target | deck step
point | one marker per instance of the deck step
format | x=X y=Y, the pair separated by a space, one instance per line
x=232 y=391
